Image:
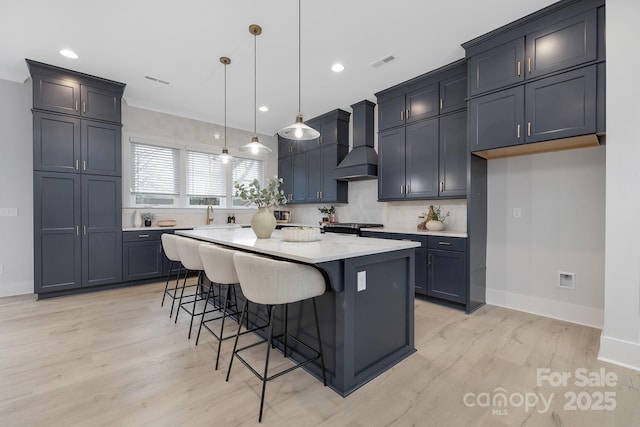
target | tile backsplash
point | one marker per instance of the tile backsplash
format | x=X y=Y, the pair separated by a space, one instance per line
x=188 y=217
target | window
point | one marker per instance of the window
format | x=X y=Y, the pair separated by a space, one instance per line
x=206 y=180
x=244 y=172
x=154 y=174
x=165 y=176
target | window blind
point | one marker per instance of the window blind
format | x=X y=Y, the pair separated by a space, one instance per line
x=154 y=169
x=246 y=170
x=206 y=175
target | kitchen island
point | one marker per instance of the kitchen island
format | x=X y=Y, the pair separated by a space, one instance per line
x=366 y=313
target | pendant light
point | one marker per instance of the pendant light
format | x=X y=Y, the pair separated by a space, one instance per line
x=255 y=146
x=299 y=130
x=225 y=156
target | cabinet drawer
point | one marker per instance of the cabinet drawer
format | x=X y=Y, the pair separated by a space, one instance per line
x=412 y=237
x=458 y=244
x=375 y=234
x=142 y=235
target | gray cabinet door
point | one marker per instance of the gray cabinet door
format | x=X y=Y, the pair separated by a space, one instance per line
x=56 y=142
x=100 y=104
x=421 y=271
x=498 y=67
x=391 y=112
x=286 y=173
x=422 y=103
x=56 y=94
x=422 y=160
x=329 y=160
x=561 y=106
x=101 y=148
x=101 y=230
x=314 y=175
x=447 y=275
x=453 y=155
x=391 y=164
x=453 y=93
x=562 y=45
x=496 y=120
x=57 y=243
x=143 y=260
x=299 y=169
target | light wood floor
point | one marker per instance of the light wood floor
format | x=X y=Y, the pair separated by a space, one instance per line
x=115 y=358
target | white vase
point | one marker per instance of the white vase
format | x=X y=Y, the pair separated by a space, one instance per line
x=137 y=219
x=435 y=225
x=263 y=223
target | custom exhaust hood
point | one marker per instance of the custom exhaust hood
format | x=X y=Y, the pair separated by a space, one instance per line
x=362 y=161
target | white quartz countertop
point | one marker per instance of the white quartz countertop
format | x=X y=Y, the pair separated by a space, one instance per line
x=330 y=247
x=155 y=227
x=401 y=230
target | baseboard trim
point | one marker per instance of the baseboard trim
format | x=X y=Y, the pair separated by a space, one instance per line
x=573 y=313
x=16 y=288
x=620 y=352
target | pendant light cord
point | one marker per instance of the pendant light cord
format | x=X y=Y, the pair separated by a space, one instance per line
x=255 y=84
x=225 y=105
x=299 y=58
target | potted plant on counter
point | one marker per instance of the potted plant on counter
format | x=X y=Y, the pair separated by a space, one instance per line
x=146 y=218
x=329 y=214
x=434 y=219
x=263 y=222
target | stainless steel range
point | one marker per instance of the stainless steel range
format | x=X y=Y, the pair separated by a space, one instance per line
x=349 y=227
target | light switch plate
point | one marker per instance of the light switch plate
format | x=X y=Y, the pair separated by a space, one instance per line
x=8 y=211
x=362 y=281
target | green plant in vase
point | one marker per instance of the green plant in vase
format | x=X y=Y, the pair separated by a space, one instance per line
x=263 y=222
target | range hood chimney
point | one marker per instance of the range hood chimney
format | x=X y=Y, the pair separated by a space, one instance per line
x=362 y=161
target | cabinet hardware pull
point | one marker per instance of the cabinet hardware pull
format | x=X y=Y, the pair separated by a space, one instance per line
x=401 y=115
x=84 y=230
x=407 y=115
x=143 y=235
x=76 y=105
x=519 y=69
x=401 y=189
x=159 y=247
x=429 y=259
x=529 y=65
x=76 y=164
x=320 y=140
x=77 y=230
x=441 y=186
x=528 y=128
x=84 y=165
x=518 y=131
x=84 y=107
x=321 y=194
x=441 y=103
x=407 y=189
x=445 y=243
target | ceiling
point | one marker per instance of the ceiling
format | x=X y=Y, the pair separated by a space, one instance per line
x=181 y=42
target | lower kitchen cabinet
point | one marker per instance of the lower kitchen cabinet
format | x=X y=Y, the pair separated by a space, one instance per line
x=77 y=231
x=447 y=269
x=143 y=256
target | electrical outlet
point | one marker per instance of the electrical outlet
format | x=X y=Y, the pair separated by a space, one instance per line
x=362 y=280
x=517 y=213
x=8 y=211
x=566 y=280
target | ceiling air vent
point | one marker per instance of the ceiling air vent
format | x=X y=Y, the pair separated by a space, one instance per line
x=382 y=61
x=164 y=82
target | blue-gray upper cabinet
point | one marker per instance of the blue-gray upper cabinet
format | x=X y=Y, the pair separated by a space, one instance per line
x=408 y=162
x=101 y=148
x=453 y=155
x=556 y=46
x=453 y=93
x=69 y=93
x=285 y=172
x=496 y=120
x=56 y=145
x=409 y=107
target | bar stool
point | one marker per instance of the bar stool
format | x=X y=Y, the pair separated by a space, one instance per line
x=170 y=248
x=219 y=269
x=190 y=258
x=272 y=283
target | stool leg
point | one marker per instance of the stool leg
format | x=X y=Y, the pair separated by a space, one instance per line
x=266 y=362
x=195 y=300
x=202 y=318
x=315 y=312
x=166 y=286
x=175 y=290
x=184 y=283
x=286 y=327
x=224 y=316
x=235 y=342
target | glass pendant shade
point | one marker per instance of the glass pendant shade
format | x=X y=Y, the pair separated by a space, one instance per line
x=225 y=156
x=255 y=146
x=299 y=130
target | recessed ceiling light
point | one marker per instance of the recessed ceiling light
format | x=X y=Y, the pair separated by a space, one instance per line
x=337 y=67
x=68 y=53
x=263 y=108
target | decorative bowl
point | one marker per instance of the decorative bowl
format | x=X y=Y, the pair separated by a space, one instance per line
x=300 y=234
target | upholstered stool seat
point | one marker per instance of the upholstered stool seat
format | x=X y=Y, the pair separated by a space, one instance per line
x=272 y=283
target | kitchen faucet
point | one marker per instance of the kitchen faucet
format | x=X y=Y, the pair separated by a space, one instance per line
x=209 y=214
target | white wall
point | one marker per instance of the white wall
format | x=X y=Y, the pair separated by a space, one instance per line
x=16 y=188
x=620 y=340
x=154 y=126
x=562 y=197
